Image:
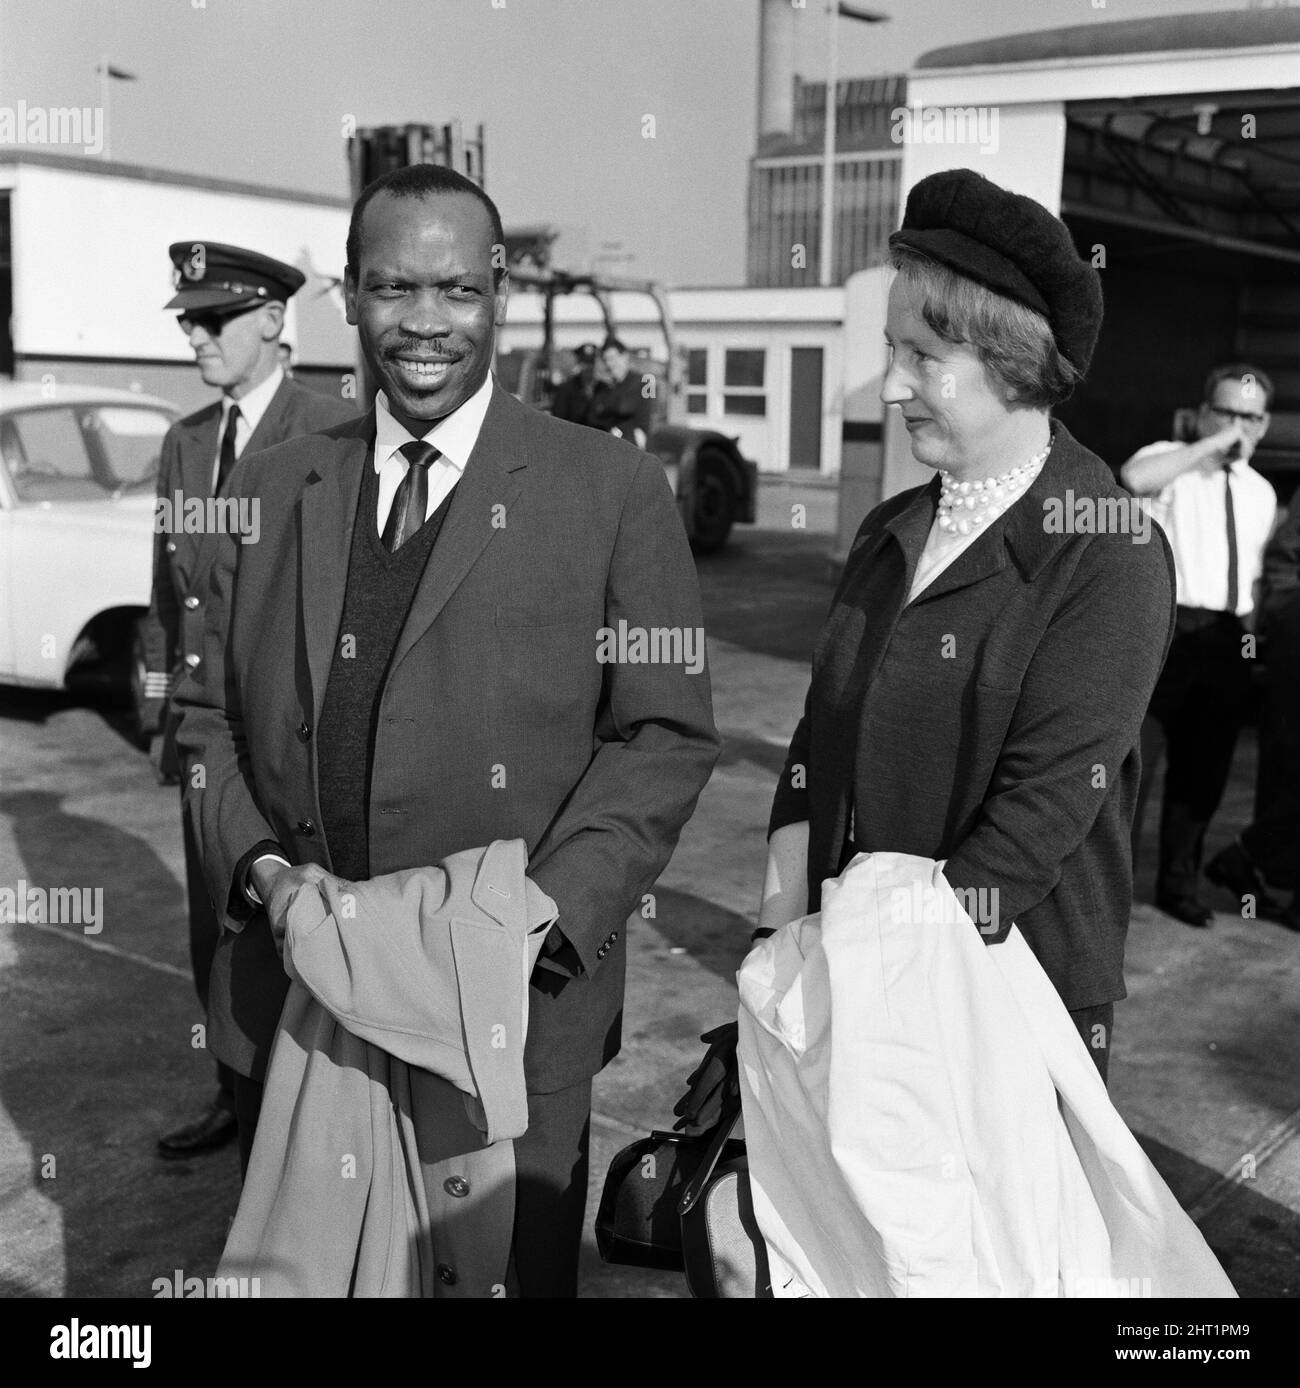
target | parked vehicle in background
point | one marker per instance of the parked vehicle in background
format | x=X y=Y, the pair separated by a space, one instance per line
x=715 y=484
x=78 y=471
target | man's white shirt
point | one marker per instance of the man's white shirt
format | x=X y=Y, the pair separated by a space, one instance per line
x=251 y=409
x=1192 y=511
x=454 y=436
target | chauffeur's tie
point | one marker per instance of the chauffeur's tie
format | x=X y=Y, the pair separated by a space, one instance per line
x=1232 y=540
x=411 y=500
x=226 y=458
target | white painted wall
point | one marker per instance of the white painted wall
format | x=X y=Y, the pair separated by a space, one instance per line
x=776 y=320
x=91 y=272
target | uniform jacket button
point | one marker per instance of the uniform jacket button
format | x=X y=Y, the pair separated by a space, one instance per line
x=171 y=546
x=446 y=1274
x=304 y=732
x=192 y=660
x=457 y=1186
x=191 y=602
x=306 y=827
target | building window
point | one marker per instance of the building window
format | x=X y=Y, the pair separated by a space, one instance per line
x=697 y=380
x=743 y=374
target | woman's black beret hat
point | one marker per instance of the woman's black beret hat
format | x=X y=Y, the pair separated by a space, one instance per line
x=1013 y=245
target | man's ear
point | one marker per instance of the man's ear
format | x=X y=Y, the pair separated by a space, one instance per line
x=350 y=295
x=272 y=321
x=501 y=294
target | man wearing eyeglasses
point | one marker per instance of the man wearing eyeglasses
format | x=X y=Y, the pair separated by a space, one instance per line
x=230 y=304
x=1218 y=513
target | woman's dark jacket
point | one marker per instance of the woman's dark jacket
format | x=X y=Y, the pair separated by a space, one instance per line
x=994 y=721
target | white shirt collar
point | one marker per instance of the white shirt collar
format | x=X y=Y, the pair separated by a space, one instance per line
x=454 y=435
x=253 y=405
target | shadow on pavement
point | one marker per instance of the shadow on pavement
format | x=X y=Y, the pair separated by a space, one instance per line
x=765 y=593
x=95 y=1058
x=39 y=705
x=1256 y=1239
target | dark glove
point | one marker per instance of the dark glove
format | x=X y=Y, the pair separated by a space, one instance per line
x=715 y=1079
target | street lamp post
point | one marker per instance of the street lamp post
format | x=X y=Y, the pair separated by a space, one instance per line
x=834 y=11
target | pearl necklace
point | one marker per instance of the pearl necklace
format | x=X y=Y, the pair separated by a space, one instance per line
x=965 y=506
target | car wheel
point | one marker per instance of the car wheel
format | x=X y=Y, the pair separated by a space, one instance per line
x=715 y=506
x=136 y=681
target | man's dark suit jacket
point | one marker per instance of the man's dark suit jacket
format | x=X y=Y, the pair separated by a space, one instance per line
x=173 y=629
x=994 y=721
x=496 y=721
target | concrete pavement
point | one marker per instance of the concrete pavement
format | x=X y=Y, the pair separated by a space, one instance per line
x=96 y=1054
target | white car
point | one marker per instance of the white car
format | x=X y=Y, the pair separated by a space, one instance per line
x=78 y=471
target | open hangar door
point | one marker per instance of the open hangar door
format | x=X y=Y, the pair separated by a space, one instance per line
x=1195 y=199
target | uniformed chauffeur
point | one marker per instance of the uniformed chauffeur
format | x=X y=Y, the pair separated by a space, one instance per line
x=230 y=304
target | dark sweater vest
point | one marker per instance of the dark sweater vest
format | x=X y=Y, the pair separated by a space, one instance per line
x=380 y=589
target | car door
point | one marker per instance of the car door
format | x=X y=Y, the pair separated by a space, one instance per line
x=52 y=589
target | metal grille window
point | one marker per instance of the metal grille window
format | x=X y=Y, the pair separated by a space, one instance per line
x=744 y=370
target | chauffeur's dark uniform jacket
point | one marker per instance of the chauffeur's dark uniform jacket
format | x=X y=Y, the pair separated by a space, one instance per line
x=994 y=721
x=173 y=629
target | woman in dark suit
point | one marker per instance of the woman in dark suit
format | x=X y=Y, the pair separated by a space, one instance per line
x=979 y=686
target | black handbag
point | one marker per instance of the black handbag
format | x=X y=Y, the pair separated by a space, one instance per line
x=638 y=1223
x=682 y=1202
x=723 y=1250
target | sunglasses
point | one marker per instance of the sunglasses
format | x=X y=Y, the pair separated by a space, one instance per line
x=211 y=322
x=1235 y=414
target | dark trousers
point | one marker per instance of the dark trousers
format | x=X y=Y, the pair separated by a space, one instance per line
x=551 y=1166
x=1196 y=712
x=204 y=931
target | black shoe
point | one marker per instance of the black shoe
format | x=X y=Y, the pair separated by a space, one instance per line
x=1186 y=909
x=1232 y=869
x=216 y=1128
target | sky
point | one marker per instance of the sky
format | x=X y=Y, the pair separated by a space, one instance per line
x=260 y=90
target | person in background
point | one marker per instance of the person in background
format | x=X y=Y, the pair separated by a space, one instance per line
x=285 y=356
x=1268 y=849
x=620 y=405
x=230 y=305
x=1218 y=513
x=573 y=395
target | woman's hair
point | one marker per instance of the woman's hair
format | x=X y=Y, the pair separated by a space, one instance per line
x=1013 y=341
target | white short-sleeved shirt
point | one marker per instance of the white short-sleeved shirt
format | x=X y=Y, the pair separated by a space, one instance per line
x=1192 y=511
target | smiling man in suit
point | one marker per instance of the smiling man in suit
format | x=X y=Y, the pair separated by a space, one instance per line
x=409 y=664
x=230 y=305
